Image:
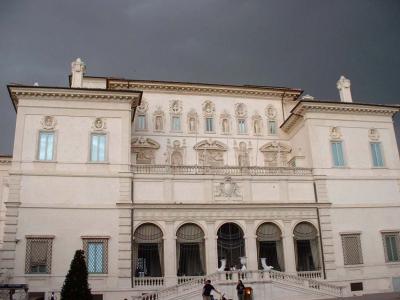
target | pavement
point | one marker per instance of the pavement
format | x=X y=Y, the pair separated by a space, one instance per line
x=381 y=296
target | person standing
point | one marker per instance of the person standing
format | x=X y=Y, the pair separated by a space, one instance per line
x=240 y=290
x=207 y=288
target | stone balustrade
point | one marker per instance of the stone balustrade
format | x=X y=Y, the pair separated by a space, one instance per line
x=310 y=274
x=224 y=170
x=148 y=281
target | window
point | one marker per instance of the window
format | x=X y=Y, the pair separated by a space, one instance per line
x=98 y=147
x=271 y=127
x=38 y=255
x=210 y=124
x=176 y=123
x=46 y=145
x=377 y=159
x=337 y=153
x=141 y=122
x=242 y=126
x=352 y=253
x=96 y=252
x=391 y=244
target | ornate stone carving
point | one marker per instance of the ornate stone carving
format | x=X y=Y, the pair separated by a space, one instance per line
x=192 y=121
x=143 y=107
x=227 y=189
x=240 y=110
x=144 y=148
x=257 y=124
x=373 y=134
x=48 y=123
x=158 y=119
x=270 y=112
x=211 y=153
x=208 y=108
x=176 y=153
x=225 y=122
x=335 y=133
x=275 y=154
x=99 y=124
x=243 y=154
x=175 y=107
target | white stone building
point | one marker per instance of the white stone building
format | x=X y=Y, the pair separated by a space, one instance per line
x=206 y=180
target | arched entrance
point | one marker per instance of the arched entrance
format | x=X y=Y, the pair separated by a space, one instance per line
x=190 y=250
x=230 y=245
x=306 y=246
x=148 y=251
x=269 y=246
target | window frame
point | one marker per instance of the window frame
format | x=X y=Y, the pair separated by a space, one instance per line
x=105 y=134
x=206 y=124
x=331 y=142
x=269 y=127
x=345 y=257
x=396 y=234
x=238 y=121
x=53 y=132
x=137 y=127
x=28 y=251
x=380 y=153
x=178 y=117
x=98 y=240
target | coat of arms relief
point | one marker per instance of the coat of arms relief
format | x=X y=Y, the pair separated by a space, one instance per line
x=227 y=190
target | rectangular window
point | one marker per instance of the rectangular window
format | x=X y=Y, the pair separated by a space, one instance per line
x=391 y=244
x=376 y=152
x=352 y=253
x=271 y=127
x=176 y=123
x=96 y=251
x=46 y=145
x=98 y=147
x=38 y=255
x=337 y=153
x=242 y=126
x=209 y=124
x=141 y=122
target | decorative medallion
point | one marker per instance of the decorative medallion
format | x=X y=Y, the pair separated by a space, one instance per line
x=48 y=123
x=373 y=134
x=143 y=107
x=270 y=112
x=99 y=124
x=335 y=133
x=240 y=110
x=208 y=108
x=227 y=189
x=175 y=107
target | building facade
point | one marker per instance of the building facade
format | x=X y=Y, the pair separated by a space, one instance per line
x=163 y=182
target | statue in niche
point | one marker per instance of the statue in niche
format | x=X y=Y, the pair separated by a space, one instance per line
x=176 y=158
x=243 y=155
x=192 y=124
x=257 y=126
x=225 y=126
x=159 y=123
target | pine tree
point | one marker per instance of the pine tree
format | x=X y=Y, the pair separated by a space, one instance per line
x=76 y=285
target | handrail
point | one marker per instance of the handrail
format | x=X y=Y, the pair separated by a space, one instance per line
x=223 y=170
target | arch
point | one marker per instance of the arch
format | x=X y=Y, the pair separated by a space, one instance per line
x=240 y=225
x=307 y=249
x=148 y=250
x=230 y=246
x=269 y=246
x=190 y=250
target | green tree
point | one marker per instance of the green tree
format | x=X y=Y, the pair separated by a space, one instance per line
x=76 y=285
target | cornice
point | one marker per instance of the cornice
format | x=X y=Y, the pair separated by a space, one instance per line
x=207 y=89
x=71 y=94
x=304 y=107
x=5 y=160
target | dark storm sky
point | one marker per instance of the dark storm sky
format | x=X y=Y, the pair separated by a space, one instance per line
x=305 y=44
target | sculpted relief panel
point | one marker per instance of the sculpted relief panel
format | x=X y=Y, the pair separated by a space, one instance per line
x=211 y=153
x=144 y=148
x=275 y=154
x=227 y=190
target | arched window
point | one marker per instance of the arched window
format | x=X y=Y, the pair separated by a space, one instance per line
x=148 y=251
x=190 y=250
x=230 y=246
x=269 y=247
x=306 y=247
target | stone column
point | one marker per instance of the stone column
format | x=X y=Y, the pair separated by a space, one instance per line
x=288 y=248
x=211 y=248
x=251 y=246
x=170 y=255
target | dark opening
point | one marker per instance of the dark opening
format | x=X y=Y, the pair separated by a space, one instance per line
x=189 y=260
x=230 y=245
x=97 y=297
x=148 y=263
x=304 y=257
x=356 y=286
x=268 y=250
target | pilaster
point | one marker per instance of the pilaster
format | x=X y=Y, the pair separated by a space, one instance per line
x=288 y=248
x=327 y=243
x=124 y=247
x=251 y=246
x=211 y=248
x=170 y=271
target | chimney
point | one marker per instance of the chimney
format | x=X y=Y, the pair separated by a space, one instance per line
x=78 y=68
x=343 y=85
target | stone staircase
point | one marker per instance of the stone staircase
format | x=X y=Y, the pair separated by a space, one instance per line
x=265 y=284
